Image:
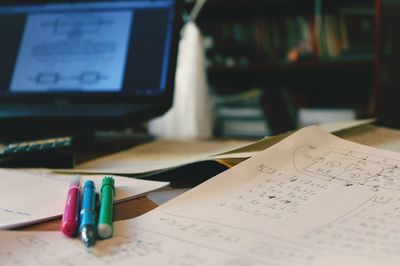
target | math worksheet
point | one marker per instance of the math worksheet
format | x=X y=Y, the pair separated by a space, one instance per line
x=312 y=199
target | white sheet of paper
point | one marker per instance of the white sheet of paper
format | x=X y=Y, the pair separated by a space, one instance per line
x=342 y=125
x=28 y=197
x=164 y=154
x=260 y=145
x=157 y=155
x=313 y=199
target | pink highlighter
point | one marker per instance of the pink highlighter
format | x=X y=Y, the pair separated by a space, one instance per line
x=70 y=218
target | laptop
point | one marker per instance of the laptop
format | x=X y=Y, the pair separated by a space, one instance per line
x=88 y=62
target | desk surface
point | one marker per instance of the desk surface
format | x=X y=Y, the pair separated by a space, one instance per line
x=369 y=135
x=123 y=210
x=109 y=143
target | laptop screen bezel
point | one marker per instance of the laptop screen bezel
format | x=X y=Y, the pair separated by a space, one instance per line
x=164 y=98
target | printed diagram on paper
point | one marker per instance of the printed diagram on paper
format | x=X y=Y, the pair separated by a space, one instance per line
x=349 y=167
x=312 y=199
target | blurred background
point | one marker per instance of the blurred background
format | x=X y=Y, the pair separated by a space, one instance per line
x=278 y=65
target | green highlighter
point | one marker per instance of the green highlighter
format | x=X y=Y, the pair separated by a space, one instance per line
x=105 y=224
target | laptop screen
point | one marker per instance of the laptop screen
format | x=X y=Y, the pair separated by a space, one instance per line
x=86 y=47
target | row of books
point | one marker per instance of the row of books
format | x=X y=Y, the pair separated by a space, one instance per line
x=251 y=122
x=242 y=122
x=241 y=116
x=345 y=35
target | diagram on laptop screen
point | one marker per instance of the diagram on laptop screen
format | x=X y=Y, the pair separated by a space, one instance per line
x=83 y=51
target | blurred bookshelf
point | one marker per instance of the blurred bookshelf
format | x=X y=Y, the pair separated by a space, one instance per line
x=387 y=91
x=300 y=53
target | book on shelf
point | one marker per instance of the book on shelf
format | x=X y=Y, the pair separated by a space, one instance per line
x=240 y=115
x=244 y=128
x=359 y=26
x=242 y=122
x=315 y=116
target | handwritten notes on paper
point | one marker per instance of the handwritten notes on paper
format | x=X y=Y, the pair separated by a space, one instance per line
x=27 y=197
x=310 y=200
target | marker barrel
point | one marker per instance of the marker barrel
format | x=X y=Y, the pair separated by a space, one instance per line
x=70 y=218
x=105 y=224
x=87 y=228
